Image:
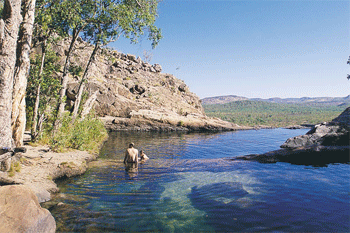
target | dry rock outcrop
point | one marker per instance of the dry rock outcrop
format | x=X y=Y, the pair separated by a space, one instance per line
x=20 y=211
x=325 y=143
x=38 y=167
x=334 y=133
x=127 y=87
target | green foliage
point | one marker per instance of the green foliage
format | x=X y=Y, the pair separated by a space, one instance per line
x=87 y=134
x=254 y=113
x=180 y=123
x=17 y=166
x=48 y=81
x=75 y=70
x=1 y=7
x=129 y=18
x=14 y=167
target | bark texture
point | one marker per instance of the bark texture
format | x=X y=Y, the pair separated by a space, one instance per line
x=89 y=104
x=18 y=117
x=9 y=27
x=64 y=81
x=83 y=81
x=37 y=98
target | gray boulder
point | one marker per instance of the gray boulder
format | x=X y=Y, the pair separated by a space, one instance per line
x=157 y=68
x=334 y=133
x=182 y=87
x=20 y=211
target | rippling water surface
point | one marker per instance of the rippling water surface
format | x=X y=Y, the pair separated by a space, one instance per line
x=189 y=185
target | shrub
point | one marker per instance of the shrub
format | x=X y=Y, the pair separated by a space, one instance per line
x=87 y=134
x=180 y=123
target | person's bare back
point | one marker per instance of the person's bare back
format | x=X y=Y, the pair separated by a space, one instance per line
x=131 y=154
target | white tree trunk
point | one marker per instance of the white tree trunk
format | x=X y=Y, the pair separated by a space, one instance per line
x=18 y=118
x=82 y=83
x=37 y=98
x=64 y=82
x=88 y=105
x=9 y=27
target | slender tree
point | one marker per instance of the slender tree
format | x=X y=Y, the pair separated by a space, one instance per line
x=9 y=27
x=43 y=84
x=45 y=27
x=129 y=18
x=75 y=16
x=18 y=116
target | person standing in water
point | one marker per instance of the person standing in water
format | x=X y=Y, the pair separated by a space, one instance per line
x=143 y=156
x=131 y=159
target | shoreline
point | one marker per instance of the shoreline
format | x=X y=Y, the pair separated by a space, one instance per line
x=40 y=167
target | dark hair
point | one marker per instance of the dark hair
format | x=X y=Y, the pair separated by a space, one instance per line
x=131 y=145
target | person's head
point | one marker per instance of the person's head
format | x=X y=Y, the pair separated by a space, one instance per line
x=131 y=145
x=141 y=151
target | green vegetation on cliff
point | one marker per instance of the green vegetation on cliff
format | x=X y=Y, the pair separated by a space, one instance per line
x=255 y=113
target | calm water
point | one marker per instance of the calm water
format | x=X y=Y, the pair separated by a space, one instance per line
x=189 y=186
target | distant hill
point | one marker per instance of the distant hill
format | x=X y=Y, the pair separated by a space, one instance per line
x=335 y=101
x=278 y=112
x=222 y=99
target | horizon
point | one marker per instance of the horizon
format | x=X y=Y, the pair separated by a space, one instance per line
x=255 y=48
x=276 y=97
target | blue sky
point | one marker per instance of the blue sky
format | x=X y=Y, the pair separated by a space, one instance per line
x=257 y=48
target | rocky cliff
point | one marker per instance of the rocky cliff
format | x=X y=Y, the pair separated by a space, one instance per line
x=133 y=94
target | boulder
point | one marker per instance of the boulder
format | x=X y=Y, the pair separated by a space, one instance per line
x=20 y=211
x=131 y=57
x=157 y=68
x=182 y=87
x=343 y=119
x=137 y=89
x=334 y=133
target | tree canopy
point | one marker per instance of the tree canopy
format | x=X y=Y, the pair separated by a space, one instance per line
x=98 y=22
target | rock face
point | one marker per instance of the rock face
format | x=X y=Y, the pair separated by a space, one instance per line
x=20 y=211
x=325 y=143
x=334 y=133
x=128 y=86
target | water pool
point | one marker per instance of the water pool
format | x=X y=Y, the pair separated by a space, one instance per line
x=188 y=185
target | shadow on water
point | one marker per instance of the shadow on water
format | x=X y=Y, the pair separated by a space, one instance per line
x=223 y=212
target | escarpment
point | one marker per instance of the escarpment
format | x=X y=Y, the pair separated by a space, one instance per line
x=134 y=95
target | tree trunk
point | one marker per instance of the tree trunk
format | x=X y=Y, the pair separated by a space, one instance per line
x=64 y=81
x=18 y=117
x=37 y=98
x=9 y=27
x=88 y=105
x=82 y=83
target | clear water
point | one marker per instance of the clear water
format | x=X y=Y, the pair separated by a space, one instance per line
x=188 y=185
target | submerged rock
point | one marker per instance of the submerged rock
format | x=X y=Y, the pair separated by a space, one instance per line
x=222 y=193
